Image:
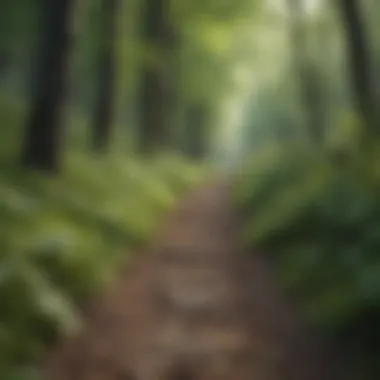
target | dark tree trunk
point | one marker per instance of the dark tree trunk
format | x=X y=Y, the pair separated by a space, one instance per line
x=43 y=141
x=360 y=62
x=4 y=61
x=195 y=142
x=154 y=131
x=104 y=103
x=315 y=109
x=308 y=75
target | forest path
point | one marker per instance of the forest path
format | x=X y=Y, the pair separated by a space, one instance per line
x=196 y=307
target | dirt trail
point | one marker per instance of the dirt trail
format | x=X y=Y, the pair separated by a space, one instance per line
x=195 y=308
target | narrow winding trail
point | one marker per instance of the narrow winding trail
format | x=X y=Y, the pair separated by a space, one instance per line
x=196 y=308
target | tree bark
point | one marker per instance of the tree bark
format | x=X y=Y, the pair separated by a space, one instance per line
x=43 y=140
x=153 y=118
x=307 y=73
x=360 y=64
x=155 y=108
x=105 y=101
x=195 y=143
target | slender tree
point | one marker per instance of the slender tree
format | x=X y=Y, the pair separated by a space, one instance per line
x=306 y=72
x=359 y=57
x=195 y=144
x=104 y=103
x=155 y=98
x=43 y=140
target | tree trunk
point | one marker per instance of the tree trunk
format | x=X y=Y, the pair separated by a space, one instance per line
x=360 y=63
x=4 y=62
x=307 y=73
x=104 y=103
x=155 y=108
x=42 y=147
x=195 y=141
x=153 y=118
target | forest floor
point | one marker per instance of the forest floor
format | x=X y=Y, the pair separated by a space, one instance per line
x=196 y=307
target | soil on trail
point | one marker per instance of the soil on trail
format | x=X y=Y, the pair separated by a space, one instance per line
x=196 y=308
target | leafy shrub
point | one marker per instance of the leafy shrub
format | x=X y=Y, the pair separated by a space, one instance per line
x=321 y=223
x=62 y=239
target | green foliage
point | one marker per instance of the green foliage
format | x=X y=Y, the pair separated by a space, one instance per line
x=321 y=222
x=63 y=239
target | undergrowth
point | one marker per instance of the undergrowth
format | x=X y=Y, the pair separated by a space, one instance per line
x=321 y=224
x=64 y=238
